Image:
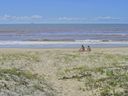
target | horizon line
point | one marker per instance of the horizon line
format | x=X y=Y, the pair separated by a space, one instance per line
x=61 y=23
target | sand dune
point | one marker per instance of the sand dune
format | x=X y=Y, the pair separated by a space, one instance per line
x=64 y=72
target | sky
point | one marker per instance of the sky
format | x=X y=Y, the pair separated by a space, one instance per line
x=63 y=11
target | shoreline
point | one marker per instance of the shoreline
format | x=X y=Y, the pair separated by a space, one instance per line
x=62 y=44
x=62 y=49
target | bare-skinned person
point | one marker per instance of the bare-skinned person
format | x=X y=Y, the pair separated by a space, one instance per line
x=88 y=49
x=82 y=49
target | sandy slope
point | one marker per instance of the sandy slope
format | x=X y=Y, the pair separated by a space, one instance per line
x=66 y=70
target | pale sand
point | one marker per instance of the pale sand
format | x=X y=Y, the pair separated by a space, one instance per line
x=52 y=64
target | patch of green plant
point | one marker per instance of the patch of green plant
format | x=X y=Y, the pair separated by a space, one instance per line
x=106 y=91
x=81 y=72
x=13 y=79
x=19 y=73
x=66 y=58
x=38 y=87
x=105 y=58
x=108 y=76
x=20 y=56
x=109 y=73
x=81 y=68
x=72 y=55
x=74 y=73
x=108 y=85
x=43 y=86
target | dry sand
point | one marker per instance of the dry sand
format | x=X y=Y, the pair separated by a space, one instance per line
x=69 y=72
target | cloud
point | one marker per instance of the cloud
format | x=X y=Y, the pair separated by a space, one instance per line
x=71 y=18
x=36 y=17
x=62 y=19
x=99 y=18
x=106 y=18
x=9 y=17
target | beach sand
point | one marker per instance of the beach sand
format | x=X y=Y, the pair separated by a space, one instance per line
x=63 y=72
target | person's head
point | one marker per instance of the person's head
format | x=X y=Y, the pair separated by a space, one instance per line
x=82 y=46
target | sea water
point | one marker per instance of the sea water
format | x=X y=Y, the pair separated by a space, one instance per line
x=63 y=35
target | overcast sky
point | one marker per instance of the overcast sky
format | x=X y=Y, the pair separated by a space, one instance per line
x=63 y=11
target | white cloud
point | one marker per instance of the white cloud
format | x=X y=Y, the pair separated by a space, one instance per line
x=41 y=19
x=71 y=18
x=36 y=17
x=106 y=18
x=99 y=18
x=9 y=17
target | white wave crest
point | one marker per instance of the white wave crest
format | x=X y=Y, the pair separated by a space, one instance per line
x=61 y=42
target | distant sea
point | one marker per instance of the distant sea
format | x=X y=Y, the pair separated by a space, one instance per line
x=63 y=35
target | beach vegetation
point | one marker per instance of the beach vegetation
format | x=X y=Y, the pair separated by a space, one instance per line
x=24 y=82
x=106 y=79
x=18 y=56
x=97 y=73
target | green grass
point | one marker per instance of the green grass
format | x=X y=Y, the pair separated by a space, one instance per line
x=17 y=72
x=97 y=73
x=20 y=56
x=106 y=78
x=14 y=79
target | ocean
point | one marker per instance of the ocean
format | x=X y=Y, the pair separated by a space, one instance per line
x=63 y=35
